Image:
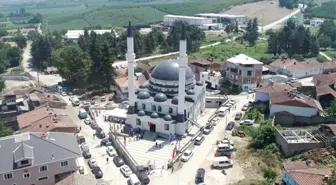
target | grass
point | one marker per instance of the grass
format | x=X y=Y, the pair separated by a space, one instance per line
x=331 y=54
x=212 y=37
x=225 y=51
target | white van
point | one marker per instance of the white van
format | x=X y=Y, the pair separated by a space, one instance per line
x=75 y=101
x=222 y=162
x=133 y=180
x=223 y=111
x=224 y=147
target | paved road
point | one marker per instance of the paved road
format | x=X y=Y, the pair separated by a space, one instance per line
x=187 y=173
x=325 y=55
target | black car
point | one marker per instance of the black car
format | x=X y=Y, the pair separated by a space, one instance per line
x=200 y=175
x=208 y=129
x=86 y=154
x=238 y=116
x=143 y=177
x=97 y=172
x=100 y=133
x=230 y=125
x=118 y=161
x=105 y=142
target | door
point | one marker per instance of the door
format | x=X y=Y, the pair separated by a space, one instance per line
x=152 y=128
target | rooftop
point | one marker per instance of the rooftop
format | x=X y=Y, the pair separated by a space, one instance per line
x=186 y=17
x=220 y=15
x=243 y=59
x=293 y=98
x=55 y=146
x=275 y=87
x=294 y=64
x=123 y=82
x=76 y=33
x=44 y=119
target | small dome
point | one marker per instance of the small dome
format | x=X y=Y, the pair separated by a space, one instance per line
x=199 y=83
x=160 y=97
x=142 y=95
x=154 y=115
x=190 y=92
x=141 y=113
x=175 y=100
x=137 y=91
x=167 y=117
x=143 y=86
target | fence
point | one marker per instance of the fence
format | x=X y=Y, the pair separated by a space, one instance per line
x=290 y=120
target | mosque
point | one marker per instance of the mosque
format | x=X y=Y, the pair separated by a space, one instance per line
x=171 y=100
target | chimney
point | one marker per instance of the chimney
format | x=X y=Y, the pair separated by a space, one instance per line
x=52 y=157
x=294 y=63
x=326 y=177
x=40 y=126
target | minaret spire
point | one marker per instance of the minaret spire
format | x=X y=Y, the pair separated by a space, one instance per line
x=130 y=56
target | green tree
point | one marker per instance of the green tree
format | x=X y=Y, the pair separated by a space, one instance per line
x=41 y=50
x=332 y=178
x=21 y=41
x=195 y=36
x=2 y=84
x=314 y=47
x=3 y=32
x=236 y=28
x=73 y=65
x=251 y=34
x=270 y=174
x=36 y=19
x=5 y=131
x=32 y=35
x=13 y=56
x=149 y=43
x=324 y=41
x=331 y=110
x=306 y=42
x=228 y=29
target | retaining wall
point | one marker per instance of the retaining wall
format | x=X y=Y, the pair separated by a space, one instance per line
x=20 y=77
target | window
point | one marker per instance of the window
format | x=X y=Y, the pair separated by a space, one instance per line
x=159 y=108
x=24 y=162
x=166 y=126
x=26 y=175
x=153 y=108
x=8 y=176
x=228 y=69
x=249 y=73
x=240 y=72
x=43 y=168
x=143 y=106
x=64 y=163
x=42 y=178
x=208 y=101
x=14 y=184
x=138 y=121
x=170 y=110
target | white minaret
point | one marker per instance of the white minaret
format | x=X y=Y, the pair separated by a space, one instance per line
x=130 y=56
x=183 y=60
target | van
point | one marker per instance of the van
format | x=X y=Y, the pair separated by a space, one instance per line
x=82 y=113
x=223 y=111
x=133 y=180
x=222 y=162
x=224 y=147
x=75 y=101
x=80 y=139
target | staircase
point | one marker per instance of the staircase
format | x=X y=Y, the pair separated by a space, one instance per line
x=150 y=136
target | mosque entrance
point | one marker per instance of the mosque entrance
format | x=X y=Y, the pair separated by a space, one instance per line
x=152 y=128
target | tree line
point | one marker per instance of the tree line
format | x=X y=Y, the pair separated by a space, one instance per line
x=327 y=34
x=290 y=4
x=9 y=57
x=88 y=62
x=293 y=40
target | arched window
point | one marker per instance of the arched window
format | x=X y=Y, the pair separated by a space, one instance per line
x=143 y=106
x=170 y=110
x=159 y=109
x=153 y=108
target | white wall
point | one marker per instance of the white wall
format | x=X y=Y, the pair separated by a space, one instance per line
x=246 y=87
x=261 y=96
x=297 y=111
x=307 y=72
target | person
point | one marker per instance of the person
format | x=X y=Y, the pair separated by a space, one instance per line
x=93 y=135
x=156 y=144
x=80 y=127
x=107 y=160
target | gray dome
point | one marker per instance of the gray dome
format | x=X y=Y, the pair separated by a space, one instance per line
x=141 y=113
x=199 y=83
x=137 y=91
x=143 y=86
x=175 y=100
x=168 y=70
x=190 y=92
x=167 y=117
x=142 y=95
x=160 y=97
x=154 y=115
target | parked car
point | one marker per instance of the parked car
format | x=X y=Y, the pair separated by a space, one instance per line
x=238 y=116
x=63 y=93
x=85 y=146
x=118 y=161
x=245 y=107
x=110 y=151
x=200 y=175
x=110 y=98
x=246 y=122
x=143 y=176
x=125 y=170
x=199 y=140
x=230 y=125
x=94 y=125
x=208 y=129
x=92 y=162
x=100 y=133
x=215 y=121
x=86 y=103
x=105 y=142
x=103 y=98
x=86 y=154
x=222 y=162
x=87 y=121
x=97 y=172
x=80 y=139
x=81 y=170
x=187 y=155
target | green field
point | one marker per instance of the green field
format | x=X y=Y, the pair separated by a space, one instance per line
x=331 y=54
x=227 y=50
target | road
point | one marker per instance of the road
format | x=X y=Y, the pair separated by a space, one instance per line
x=325 y=55
x=273 y=24
x=186 y=174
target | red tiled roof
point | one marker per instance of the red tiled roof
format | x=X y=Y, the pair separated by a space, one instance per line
x=123 y=82
x=294 y=64
x=329 y=65
x=323 y=90
x=303 y=178
x=276 y=87
x=325 y=79
x=297 y=100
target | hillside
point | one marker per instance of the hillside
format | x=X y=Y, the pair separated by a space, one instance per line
x=326 y=10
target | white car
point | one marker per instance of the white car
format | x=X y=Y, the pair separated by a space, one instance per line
x=63 y=93
x=86 y=103
x=85 y=146
x=245 y=107
x=125 y=170
x=226 y=141
x=215 y=121
x=92 y=162
x=110 y=151
x=187 y=155
x=87 y=121
x=247 y=122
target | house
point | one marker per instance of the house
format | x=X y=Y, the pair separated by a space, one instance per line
x=262 y=93
x=46 y=119
x=316 y=22
x=201 y=65
x=296 y=69
x=243 y=71
x=329 y=67
x=211 y=78
x=122 y=86
x=37 y=158
x=51 y=70
x=293 y=103
x=325 y=88
x=304 y=173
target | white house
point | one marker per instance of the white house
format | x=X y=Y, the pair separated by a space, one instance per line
x=293 y=103
x=211 y=78
x=296 y=69
x=316 y=22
